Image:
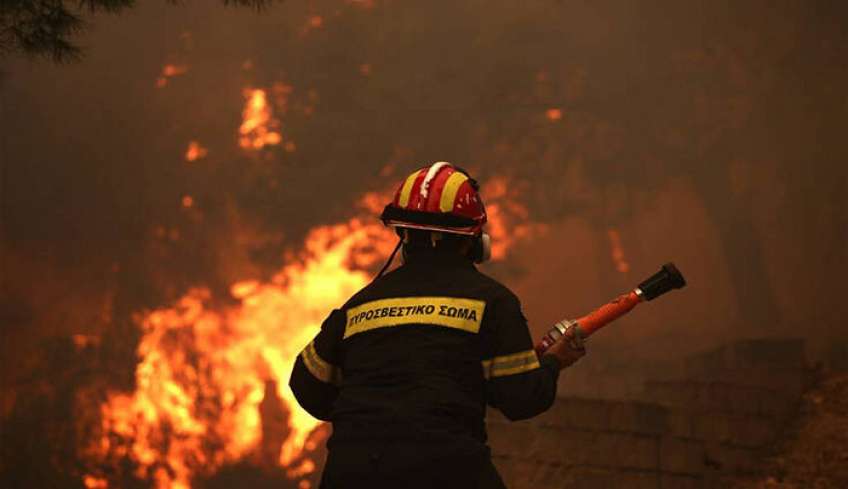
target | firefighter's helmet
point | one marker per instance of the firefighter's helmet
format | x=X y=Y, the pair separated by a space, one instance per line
x=439 y=197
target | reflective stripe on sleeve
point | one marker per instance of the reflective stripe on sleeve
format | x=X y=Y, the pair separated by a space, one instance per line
x=515 y=363
x=320 y=369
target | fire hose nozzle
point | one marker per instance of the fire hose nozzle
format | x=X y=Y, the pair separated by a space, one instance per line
x=668 y=278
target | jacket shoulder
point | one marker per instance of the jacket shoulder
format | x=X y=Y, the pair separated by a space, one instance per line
x=495 y=287
x=398 y=282
x=372 y=290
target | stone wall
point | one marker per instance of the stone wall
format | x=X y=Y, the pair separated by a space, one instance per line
x=719 y=418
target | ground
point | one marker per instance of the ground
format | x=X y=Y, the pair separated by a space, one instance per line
x=814 y=452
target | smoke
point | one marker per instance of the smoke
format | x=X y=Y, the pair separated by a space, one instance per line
x=708 y=135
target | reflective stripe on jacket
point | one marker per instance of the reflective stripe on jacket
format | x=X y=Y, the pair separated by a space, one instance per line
x=420 y=352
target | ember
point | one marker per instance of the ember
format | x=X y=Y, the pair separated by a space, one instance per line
x=169 y=71
x=195 y=151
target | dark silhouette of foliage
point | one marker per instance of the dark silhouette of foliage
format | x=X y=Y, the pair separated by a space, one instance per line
x=46 y=28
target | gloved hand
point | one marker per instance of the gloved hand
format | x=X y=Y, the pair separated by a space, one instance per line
x=568 y=348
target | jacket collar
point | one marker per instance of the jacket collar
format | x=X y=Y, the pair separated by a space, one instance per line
x=433 y=258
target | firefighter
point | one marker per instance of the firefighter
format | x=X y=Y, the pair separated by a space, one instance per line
x=404 y=370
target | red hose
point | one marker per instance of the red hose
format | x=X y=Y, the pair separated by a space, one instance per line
x=668 y=278
x=607 y=313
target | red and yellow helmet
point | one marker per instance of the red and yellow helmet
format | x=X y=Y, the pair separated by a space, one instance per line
x=439 y=197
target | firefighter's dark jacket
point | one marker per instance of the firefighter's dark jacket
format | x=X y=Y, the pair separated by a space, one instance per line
x=421 y=351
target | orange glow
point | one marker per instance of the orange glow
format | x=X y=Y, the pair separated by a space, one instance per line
x=92 y=482
x=553 y=114
x=508 y=218
x=313 y=22
x=259 y=128
x=365 y=69
x=195 y=151
x=208 y=366
x=83 y=341
x=387 y=169
x=174 y=70
x=187 y=201
x=374 y=202
x=617 y=252
x=240 y=290
x=169 y=71
x=304 y=468
x=204 y=366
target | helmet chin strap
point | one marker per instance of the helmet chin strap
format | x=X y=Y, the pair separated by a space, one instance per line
x=389 y=261
x=434 y=238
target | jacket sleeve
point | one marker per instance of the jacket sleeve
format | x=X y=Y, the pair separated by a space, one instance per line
x=316 y=374
x=517 y=382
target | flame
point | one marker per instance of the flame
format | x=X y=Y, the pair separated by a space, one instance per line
x=210 y=371
x=508 y=219
x=374 y=202
x=305 y=468
x=204 y=368
x=617 y=252
x=259 y=128
x=553 y=114
x=195 y=151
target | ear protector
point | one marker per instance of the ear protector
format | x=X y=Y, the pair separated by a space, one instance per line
x=481 y=251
